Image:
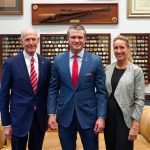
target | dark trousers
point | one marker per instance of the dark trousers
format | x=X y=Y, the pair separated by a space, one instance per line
x=116 y=132
x=68 y=136
x=35 y=138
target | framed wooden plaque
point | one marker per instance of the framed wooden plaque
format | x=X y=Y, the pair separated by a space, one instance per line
x=11 y=7
x=84 y=13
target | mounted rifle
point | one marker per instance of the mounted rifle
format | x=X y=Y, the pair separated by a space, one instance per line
x=64 y=14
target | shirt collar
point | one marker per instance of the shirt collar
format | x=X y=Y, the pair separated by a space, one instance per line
x=80 y=54
x=27 y=56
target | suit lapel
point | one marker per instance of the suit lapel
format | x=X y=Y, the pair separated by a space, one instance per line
x=23 y=69
x=41 y=70
x=109 y=73
x=84 y=66
x=67 y=70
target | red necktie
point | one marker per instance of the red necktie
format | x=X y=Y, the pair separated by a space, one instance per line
x=75 y=71
x=33 y=76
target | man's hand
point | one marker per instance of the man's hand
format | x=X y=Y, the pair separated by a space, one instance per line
x=52 y=124
x=134 y=130
x=99 y=126
x=8 y=132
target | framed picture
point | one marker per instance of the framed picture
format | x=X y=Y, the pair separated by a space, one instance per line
x=104 y=1
x=11 y=7
x=138 y=8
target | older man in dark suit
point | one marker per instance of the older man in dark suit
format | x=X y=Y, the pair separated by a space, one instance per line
x=24 y=91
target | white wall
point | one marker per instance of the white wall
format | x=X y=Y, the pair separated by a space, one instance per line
x=14 y=24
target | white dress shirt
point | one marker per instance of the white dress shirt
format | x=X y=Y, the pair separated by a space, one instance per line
x=27 y=58
x=79 y=59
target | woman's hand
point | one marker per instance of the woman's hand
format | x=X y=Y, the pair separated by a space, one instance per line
x=134 y=130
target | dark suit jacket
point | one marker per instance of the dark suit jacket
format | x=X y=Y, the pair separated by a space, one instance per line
x=18 y=96
x=88 y=99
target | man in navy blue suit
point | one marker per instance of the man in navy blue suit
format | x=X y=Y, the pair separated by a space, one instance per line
x=24 y=100
x=77 y=98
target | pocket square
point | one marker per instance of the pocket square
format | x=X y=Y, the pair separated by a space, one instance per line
x=89 y=74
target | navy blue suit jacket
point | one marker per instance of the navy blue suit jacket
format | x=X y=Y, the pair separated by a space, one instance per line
x=88 y=99
x=18 y=98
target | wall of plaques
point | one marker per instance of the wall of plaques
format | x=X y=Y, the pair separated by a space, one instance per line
x=54 y=44
x=140 y=50
x=9 y=46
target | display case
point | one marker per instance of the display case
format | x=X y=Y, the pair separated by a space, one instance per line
x=140 y=50
x=9 y=46
x=99 y=44
x=54 y=44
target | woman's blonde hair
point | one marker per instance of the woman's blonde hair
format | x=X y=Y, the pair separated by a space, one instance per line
x=124 y=38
